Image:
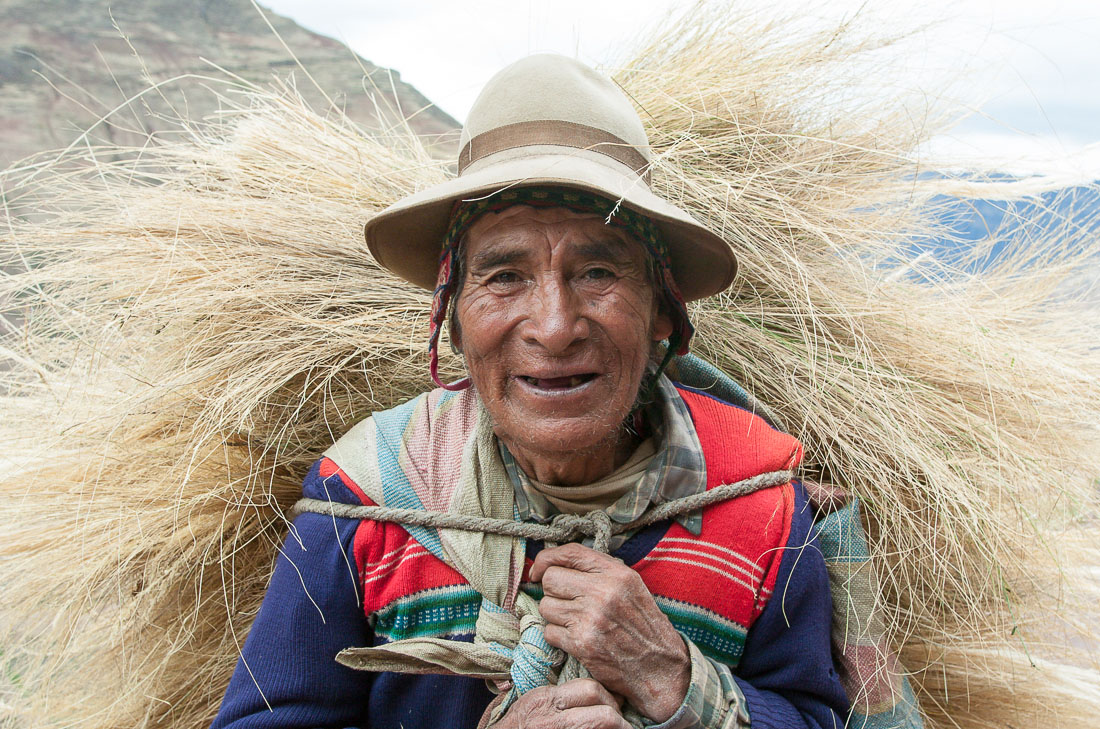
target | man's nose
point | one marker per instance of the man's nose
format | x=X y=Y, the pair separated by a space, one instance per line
x=556 y=319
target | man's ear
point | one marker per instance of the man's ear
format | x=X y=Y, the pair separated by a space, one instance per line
x=662 y=324
x=454 y=334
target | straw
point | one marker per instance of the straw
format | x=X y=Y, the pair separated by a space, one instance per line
x=195 y=321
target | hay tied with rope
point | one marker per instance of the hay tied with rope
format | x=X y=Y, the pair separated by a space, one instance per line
x=198 y=319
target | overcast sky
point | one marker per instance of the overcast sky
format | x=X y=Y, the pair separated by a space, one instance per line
x=1036 y=62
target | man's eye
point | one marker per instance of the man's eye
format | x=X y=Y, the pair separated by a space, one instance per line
x=598 y=274
x=504 y=278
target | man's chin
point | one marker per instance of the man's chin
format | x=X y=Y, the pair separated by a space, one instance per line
x=563 y=437
x=583 y=420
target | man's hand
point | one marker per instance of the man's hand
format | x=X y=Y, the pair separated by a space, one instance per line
x=599 y=610
x=578 y=704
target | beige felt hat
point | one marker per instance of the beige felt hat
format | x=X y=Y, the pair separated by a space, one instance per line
x=549 y=120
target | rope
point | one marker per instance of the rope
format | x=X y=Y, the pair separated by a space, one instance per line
x=563 y=528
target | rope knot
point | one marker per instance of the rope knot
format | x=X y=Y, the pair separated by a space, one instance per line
x=595 y=524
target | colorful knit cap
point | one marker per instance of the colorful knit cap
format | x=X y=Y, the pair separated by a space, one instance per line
x=644 y=230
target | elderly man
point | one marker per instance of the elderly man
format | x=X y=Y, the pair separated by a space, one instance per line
x=560 y=273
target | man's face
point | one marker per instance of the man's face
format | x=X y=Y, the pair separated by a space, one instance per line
x=557 y=318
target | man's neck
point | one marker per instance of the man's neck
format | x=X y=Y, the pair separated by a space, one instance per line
x=572 y=468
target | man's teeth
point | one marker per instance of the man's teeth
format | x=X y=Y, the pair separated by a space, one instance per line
x=558 y=382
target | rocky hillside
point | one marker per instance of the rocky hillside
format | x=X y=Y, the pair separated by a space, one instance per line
x=65 y=63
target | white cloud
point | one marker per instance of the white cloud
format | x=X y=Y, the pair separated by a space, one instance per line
x=449 y=50
x=1018 y=154
x=1033 y=64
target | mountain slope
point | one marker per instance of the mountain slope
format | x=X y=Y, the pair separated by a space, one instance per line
x=97 y=53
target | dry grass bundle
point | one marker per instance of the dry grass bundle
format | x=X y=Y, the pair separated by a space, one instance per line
x=202 y=319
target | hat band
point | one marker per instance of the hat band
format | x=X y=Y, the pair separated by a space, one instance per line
x=555 y=132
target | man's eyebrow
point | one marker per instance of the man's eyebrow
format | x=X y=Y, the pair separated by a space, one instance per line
x=613 y=250
x=609 y=249
x=496 y=256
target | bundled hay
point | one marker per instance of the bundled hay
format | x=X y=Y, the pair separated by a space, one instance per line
x=198 y=319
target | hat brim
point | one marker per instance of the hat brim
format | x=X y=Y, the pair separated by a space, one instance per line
x=406 y=237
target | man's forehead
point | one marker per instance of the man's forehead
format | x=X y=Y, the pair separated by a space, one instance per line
x=521 y=225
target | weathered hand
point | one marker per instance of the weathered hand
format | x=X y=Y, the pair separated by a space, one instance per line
x=599 y=610
x=578 y=704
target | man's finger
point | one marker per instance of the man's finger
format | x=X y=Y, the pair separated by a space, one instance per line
x=565 y=583
x=571 y=556
x=583 y=692
x=591 y=717
x=561 y=637
x=556 y=611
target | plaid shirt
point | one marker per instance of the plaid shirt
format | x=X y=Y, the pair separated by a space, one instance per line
x=676 y=471
x=713 y=700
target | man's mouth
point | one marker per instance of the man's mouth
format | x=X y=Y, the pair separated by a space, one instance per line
x=559 y=383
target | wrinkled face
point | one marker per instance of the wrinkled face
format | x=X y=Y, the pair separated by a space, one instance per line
x=557 y=319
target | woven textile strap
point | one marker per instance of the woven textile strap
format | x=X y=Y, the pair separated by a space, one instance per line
x=510 y=648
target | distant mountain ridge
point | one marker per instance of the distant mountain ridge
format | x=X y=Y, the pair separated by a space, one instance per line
x=977 y=233
x=76 y=45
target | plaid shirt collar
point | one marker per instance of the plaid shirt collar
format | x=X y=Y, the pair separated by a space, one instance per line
x=677 y=470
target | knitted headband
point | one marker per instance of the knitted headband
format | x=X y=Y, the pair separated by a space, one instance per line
x=641 y=228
